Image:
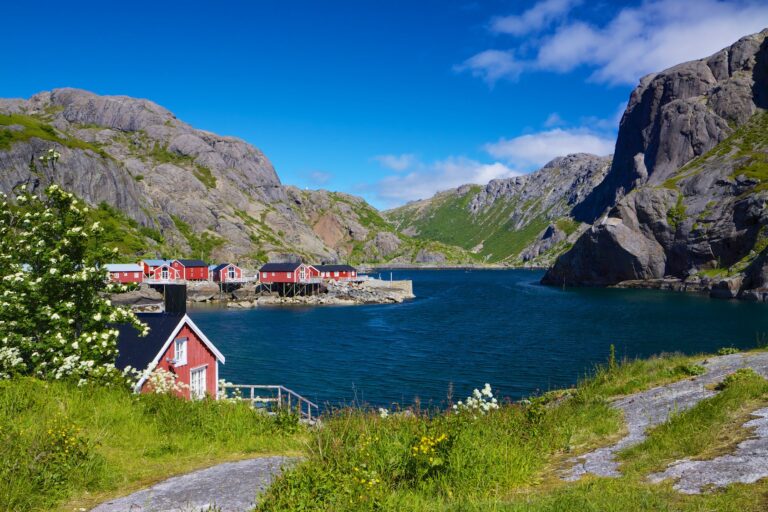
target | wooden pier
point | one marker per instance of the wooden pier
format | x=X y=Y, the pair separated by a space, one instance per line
x=273 y=398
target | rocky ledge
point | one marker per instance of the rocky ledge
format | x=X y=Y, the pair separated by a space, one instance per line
x=717 y=288
x=372 y=291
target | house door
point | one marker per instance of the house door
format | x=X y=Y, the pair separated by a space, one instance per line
x=164 y=274
x=232 y=273
x=197 y=383
x=302 y=273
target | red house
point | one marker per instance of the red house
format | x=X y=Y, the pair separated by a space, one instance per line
x=337 y=272
x=125 y=273
x=191 y=270
x=227 y=273
x=160 y=271
x=287 y=273
x=176 y=345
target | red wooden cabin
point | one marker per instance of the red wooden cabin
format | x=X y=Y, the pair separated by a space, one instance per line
x=161 y=270
x=176 y=345
x=337 y=272
x=287 y=273
x=191 y=270
x=227 y=273
x=125 y=273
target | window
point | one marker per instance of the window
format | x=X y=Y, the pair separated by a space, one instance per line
x=135 y=275
x=288 y=275
x=336 y=274
x=180 y=351
x=273 y=274
x=264 y=275
x=197 y=383
x=164 y=273
x=231 y=272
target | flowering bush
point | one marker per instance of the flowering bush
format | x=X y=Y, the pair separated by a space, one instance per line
x=54 y=321
x=479 y=402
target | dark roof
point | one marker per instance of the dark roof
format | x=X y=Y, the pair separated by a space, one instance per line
x=138 y=352
x=335 y=268
x=218 y=268
x=193 y=263
x=279 y=267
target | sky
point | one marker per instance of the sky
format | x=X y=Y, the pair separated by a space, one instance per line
x=391 y=100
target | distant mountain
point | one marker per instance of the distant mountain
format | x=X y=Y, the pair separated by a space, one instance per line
x=687 y=191
x=526 y=220
x=162 y=187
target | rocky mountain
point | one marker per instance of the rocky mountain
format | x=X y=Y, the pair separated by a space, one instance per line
x=522 y=220
x=162 y=187
x=685 y=197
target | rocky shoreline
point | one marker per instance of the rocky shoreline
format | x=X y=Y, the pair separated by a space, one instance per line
x=370 y=291
x=716 y=288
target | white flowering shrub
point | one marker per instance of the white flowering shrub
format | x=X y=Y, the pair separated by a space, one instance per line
x=55 y=322
x=479 y=402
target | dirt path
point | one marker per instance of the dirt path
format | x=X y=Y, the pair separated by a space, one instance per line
x=652 y=407
x=232 y=487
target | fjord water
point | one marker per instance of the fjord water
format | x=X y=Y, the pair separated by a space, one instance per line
x=464 y=329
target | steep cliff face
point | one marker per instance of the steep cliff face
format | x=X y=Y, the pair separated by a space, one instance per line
x=690 y=179
x=185 y=191
x=521 y=220
x=679 y=114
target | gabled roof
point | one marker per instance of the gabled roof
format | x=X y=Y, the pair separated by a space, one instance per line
x=157 y=263
x=123 y=267
x=279 y=267
x=193 y=263
x=140 y=353
x=335 y=268
x=222 y=266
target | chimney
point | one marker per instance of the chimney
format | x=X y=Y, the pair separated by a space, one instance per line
x=175 y=298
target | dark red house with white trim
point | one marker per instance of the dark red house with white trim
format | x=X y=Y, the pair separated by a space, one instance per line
x=287 y=273
x=337 y=272
x=191 y=270
x=160 y=270
x=227 y=273
x=176 y=345
x=125 y=273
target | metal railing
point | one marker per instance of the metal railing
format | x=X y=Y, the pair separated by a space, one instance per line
x=277 y=398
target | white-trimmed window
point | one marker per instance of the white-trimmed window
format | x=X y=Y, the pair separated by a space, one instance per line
x=197 y=387
x=288 y=275
x=180 y=351
x=231 y=272
x=135 y=275
x=264 y=275
x=335 y=274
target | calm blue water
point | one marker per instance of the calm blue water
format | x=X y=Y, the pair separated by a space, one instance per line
x=467 y=328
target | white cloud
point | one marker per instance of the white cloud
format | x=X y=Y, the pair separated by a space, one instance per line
x=651 y=37
x=534 y=19
x=636 y=41
x=554 y=119
x=492 y=65
x=320 y=177
x=427 y=179
x=397 y=163
x=536 y=149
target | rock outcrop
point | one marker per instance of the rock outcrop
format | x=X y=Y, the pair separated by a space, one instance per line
x=521 y=220
x=182 y=191
x=688 y=186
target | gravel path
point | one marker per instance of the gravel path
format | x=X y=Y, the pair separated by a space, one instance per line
x=652 y=407
x=232 y=487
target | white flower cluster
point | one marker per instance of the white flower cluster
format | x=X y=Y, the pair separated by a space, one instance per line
x=480 y=401
x=383 y=413
x=157 y=380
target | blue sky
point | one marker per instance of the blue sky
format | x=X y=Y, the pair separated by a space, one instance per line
x=389 y=100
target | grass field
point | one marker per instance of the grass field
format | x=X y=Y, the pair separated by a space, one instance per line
x=64 y=447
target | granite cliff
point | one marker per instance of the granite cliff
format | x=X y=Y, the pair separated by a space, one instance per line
x=162 y=187
x=685 y=198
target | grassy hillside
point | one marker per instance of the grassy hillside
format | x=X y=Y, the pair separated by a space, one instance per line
x=492 y=234
x=509 y=459
x=64 y=447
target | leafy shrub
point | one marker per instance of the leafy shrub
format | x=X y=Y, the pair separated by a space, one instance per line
x=724 y=351
x=740 y=375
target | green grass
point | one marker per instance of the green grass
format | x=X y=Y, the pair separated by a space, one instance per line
x=201 y=244
x=676 y=214
x=32 y=127
x=508 y=460
x=64 y=447
x=697 y=431
x=446 y=219
x=122 y=232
